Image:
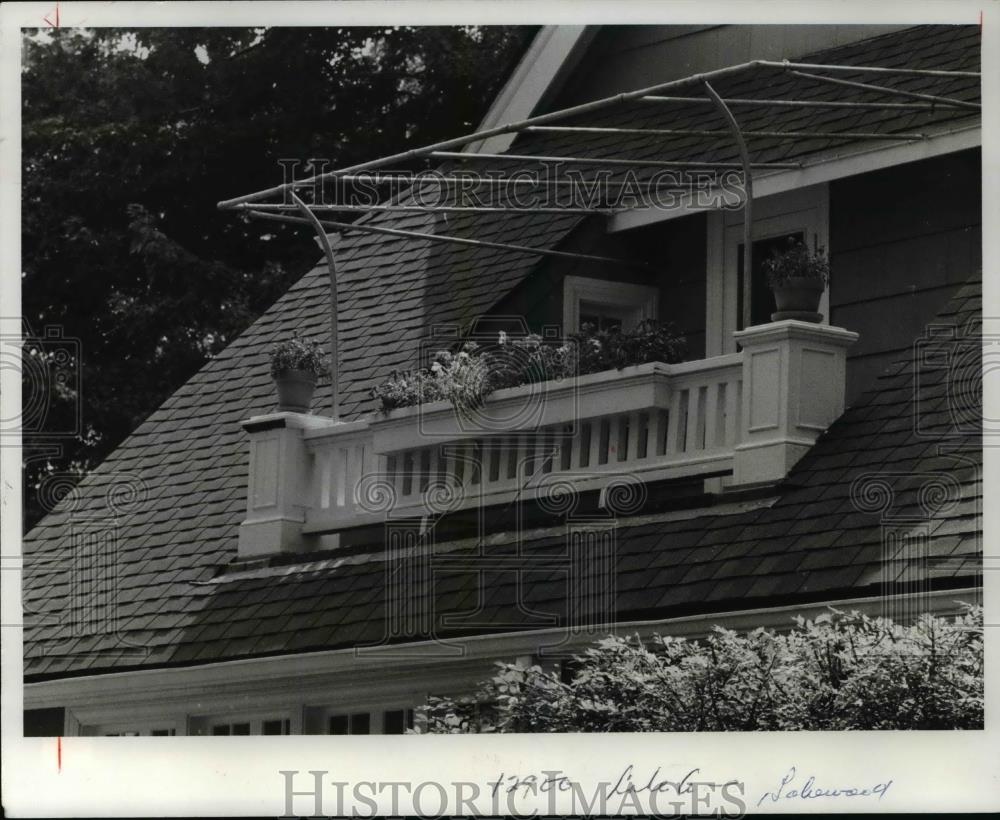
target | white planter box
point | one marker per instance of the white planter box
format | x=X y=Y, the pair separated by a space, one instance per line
x=632 y=389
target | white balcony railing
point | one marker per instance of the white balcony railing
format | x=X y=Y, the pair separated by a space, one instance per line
x=749 y=415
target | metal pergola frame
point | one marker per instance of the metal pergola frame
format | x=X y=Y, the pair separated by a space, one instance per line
x=292 y=209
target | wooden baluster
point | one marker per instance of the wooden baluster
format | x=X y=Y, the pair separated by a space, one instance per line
x=529 y=458
x=655 y=431
x=340 y=476
x=593 y=457
x=495 y=473
x=568 y=447
x=676 y=429
x=550 y=451
x=321 y=470
x=512 y=458
x=407 y=473
x=712 y=416
x=733 y=409
x=478 y=465
x=433 y=464
x=632 y=446
x=691 y=439
x=355 y=470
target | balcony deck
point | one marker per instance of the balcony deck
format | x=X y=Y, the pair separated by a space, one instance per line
x=749 y=415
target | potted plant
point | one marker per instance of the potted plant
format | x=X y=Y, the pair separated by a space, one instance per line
x=797 y=278
x=295 y=367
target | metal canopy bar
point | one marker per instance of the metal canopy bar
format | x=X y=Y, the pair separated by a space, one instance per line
x=632 y=163
x=729 y=101
x=596 y=105
x=457 y=240
x=431 y=209
x=911 y=94
x=331 y=266
x=747 y=196
x=852 y=69
x=847 y=135
x=476 y=136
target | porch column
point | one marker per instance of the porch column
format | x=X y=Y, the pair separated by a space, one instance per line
x=279 y=480
x=794 y=383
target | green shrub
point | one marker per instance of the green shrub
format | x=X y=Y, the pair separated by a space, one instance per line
x=839 y=671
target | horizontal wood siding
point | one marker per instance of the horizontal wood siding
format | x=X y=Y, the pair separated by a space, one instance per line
x=622 y=58
x=901 y=240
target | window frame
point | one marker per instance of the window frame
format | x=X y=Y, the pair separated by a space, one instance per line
x=640 y=301
x=202 y=725
x=319 y=716
x=803 y=209
x=145 y=728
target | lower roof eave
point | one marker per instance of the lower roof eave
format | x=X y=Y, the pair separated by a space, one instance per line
x=261 y=672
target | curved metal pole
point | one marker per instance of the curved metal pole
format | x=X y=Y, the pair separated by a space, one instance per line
x=331 y=267
x=748 y=196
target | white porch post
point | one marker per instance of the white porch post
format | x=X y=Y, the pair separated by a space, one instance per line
x=278 y=483
x=794 y=382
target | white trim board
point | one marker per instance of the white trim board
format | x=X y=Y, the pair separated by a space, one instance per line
x=640 y=301
x=824 y=169
x=547 y=62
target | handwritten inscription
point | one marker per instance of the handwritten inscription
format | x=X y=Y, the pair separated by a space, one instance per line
x=789 y=789
x=628 y=792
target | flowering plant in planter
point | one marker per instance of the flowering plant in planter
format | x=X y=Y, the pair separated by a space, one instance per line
x=797 y=278
x=462 y=378
x=466 y=378
x=296 y=364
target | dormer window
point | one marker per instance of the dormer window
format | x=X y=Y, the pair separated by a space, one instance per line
x=606 y=304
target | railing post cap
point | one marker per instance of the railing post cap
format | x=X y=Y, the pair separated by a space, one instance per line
x=788 y=329
x=286 y=420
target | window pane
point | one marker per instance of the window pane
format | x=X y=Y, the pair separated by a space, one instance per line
x=602 y=317
x=338 y=725
x=162 y=732
x=361 y=724
x=274 y=727
x=241 y=728
x=221 y=729
x=394 y=722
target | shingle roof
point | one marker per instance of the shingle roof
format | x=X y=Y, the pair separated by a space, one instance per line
x=169 y=500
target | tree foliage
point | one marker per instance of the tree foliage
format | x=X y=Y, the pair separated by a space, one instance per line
x=130 y=137
x=839 y=671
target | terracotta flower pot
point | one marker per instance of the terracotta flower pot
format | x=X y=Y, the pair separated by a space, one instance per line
x=295 y=390
x=798 y=298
